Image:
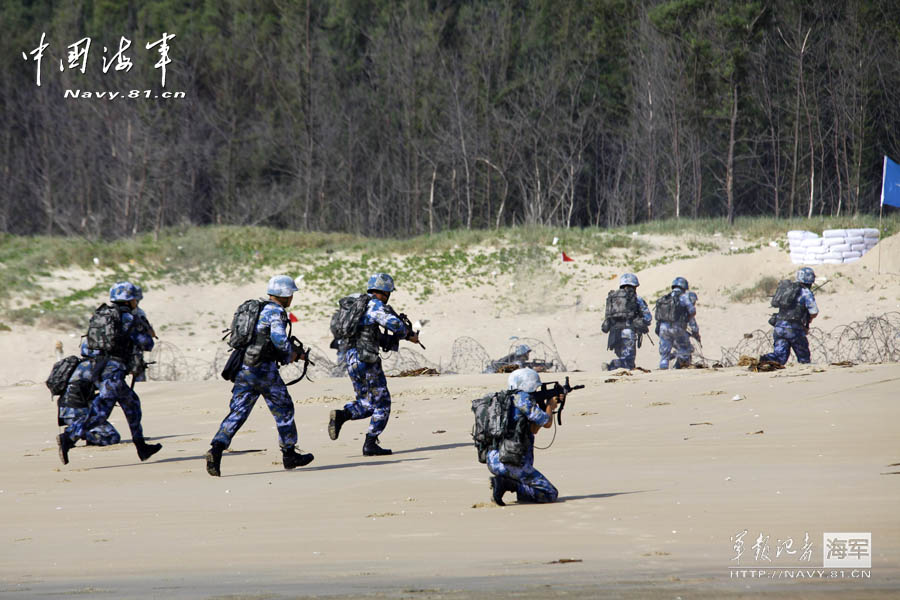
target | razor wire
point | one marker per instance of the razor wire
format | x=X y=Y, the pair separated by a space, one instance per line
x=875 y=339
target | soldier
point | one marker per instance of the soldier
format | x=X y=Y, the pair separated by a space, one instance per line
x=796 y=310
x=528 y=483
x=259 y=375
x=112 y=334
x=76 y=402
x=364 y=366
x=518 y=357
x=627 y=318
x=674 y=315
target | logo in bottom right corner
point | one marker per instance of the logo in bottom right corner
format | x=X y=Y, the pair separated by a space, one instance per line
x=847 y=550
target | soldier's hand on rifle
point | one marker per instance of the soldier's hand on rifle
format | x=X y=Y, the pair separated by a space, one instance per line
x=552 y=403
x=414 y=337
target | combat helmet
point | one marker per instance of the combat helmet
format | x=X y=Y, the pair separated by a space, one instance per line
x=806 y=276
x=281 y=286
x=524 y=380
x=629 y=279
x=381 y=282
x=123 y=291
x=681 y=283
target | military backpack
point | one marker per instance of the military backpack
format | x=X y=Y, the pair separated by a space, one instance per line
x=787 y=300
x=670 y=310
x=496 y=429
x=346 y=320
x=243 y=323
x=61 y=373
x=622 y=304
x=105 y=331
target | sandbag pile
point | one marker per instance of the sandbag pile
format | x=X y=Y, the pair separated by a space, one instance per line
x=835 y=247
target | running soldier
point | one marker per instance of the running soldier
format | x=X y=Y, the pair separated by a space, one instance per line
x=796 y=309
x=360 y=344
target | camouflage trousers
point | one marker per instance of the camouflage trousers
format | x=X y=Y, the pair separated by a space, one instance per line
x=372 y=396
x=102 y=435
x=788 y=337
x=625 y=350
x=249 y=383
x=113 y=390
x=532 y=485
x=672 y=336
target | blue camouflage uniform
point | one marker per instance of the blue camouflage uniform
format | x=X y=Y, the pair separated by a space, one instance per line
x=113 y=388
x=76 y=402
x=532 y=486
x=264 y=378
x=372 y=395
x=792 y=335
x=626 y=343
x=675 y=334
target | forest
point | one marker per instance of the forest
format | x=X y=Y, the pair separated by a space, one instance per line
x=395 y=118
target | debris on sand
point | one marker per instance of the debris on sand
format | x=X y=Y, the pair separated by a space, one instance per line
x=418 y=372
x=562 y=561
x=758 y=366
x=439 y=431
x=702 y=423
x=660 y=403
x=844 y=363
x=756 y=432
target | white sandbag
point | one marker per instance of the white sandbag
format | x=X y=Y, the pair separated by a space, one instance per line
x=832 y=241
x=833 y=261
x=840 y=248
x=810 y=242
x=834 y=233
x=846 y=255
x=831 y=256
x=817 y=250
x=850 y=260
x=872 y=244
x=856 y=239
x=871 y=233
x=799 y=234
x=855 y=232
x=858 y=247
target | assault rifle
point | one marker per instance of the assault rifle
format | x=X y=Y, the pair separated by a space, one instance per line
x=391 y=342
x=302 y=353
x=551 y=389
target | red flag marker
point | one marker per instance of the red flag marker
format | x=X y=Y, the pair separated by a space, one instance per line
x=293 y=318
x=566 y=258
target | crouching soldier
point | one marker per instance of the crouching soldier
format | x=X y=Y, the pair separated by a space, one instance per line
x=75 y=404
x=674 y=315
x=112 y=335
x=360 y=340
x=627 y=319
x=513 y=464
x=796 y=310
x=263 y=325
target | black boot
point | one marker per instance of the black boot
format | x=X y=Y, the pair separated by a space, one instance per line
x=214 y=459
x=65 y=444
x=146 y=450
x=371 y=447
x=338 y=418
x=499 y=486
x=291 y=458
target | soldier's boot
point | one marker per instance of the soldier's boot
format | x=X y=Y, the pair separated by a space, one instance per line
x=337 y=420
x=145 y=450
x=371 y=447
x=291 y=458
x=214 y=459
x=499 y=486
x=65 y=444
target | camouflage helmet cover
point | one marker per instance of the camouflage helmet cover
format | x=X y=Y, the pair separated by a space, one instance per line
x=281 y=286
x=806 y=275
x=629 y=279
x=522 y=349
x=524 y=380
x=122 y=291
x=680 y=282
x=381 y=282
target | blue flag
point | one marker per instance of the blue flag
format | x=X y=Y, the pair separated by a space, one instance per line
x=890 y=184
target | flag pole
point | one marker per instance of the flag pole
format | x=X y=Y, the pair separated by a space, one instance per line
x=881 y=211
